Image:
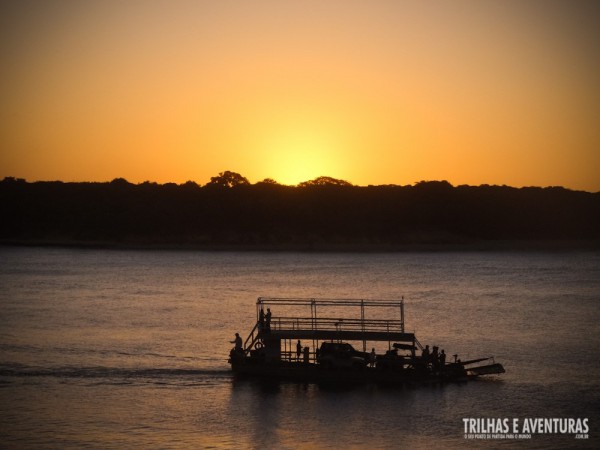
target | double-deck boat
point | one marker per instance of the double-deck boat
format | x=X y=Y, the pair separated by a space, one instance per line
x=332 y=345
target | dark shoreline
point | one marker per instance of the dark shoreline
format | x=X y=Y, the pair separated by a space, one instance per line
x=479 y=246
x=430 y=216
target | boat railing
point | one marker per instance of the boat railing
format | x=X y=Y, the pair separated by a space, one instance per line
x=324 y=314
x=271 y=301
x=335 y=324
x=292 y=356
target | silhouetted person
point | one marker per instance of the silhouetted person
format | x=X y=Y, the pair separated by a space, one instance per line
x=442 y=360
x=238 y=343
x=268 y=320
x=261 y=319
x=434 y=358
x=298 y=350
x=372 y=358
x=425 y=354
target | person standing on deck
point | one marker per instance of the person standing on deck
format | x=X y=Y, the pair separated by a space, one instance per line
x=238 y=343
x=298 y=350
x=372 y=358
x=261 y=319
x=434 y=358
x=442 y=360
x=268 y=320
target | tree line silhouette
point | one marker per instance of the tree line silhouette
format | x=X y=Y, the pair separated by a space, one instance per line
x=324 y=213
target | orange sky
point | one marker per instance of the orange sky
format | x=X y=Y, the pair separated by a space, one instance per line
x=373 y=92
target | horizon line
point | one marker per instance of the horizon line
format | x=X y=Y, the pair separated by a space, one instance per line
x=307 y=183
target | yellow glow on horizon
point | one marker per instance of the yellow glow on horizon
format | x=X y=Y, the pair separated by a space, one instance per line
x=294 y=156
x=301 y=143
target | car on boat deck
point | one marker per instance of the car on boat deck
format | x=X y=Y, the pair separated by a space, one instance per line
x=341 y=355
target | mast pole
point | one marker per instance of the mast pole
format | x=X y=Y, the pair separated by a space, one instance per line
x=402 y=315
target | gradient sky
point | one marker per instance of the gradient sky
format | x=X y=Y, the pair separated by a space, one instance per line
x=373 y=92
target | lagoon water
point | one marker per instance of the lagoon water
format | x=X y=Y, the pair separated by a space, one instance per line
x=128 y=349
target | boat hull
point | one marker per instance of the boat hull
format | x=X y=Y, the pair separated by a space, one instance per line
x=315 y=373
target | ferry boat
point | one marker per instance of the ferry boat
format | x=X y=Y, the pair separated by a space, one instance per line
x=337 y=343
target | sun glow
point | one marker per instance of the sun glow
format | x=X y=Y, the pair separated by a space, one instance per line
x=299 y=139
x=294 y=156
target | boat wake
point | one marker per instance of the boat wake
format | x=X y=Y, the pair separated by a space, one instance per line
x=115 y=375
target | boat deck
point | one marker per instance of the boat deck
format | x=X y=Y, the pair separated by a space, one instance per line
x=330 y=320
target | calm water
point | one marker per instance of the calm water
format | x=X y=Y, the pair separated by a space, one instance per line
x=128 y=349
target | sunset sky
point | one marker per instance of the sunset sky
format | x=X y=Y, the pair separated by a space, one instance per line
x=373 y=92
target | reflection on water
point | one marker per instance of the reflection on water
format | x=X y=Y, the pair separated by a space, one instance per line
x=128 y=349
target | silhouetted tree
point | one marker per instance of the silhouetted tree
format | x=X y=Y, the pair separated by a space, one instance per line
x=190 y=185
x=325 y=181
x=120 y=182
x=228 y=179
x=13 y=180
x=268 y=181
x=434 y=185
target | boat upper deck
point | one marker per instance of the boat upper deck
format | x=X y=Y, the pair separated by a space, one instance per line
x=332 y=320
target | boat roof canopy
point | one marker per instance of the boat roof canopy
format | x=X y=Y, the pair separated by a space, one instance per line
x=268 y=301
